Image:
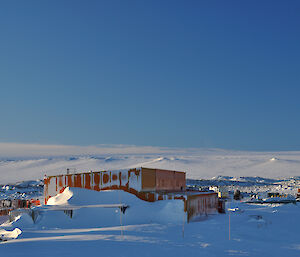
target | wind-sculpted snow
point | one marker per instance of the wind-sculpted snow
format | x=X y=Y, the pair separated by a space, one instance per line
x=61 y=198
x=6 y=235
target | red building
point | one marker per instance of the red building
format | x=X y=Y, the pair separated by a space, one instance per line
x=147 y=184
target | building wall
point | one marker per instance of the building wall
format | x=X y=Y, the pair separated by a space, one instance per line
x=102 y=180
x=148 y=179
x=167 y=180
x=198 y=205
x=135 y=181
x=162 y=180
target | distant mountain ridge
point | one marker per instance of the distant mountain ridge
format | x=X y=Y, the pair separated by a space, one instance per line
x=21 y=162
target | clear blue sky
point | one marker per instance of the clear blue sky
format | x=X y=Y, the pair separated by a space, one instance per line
x=220 y=74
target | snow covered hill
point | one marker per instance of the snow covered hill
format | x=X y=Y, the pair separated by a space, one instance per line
x=21 y=162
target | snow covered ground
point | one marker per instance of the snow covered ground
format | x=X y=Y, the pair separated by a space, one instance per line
x=153 y=229
x=150 y=229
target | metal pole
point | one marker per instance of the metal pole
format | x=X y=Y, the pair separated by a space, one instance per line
x=229 y=215
x=120 y=214
x=121 y=223
x=184 y=206
x=183 y=225
x=229 y=225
